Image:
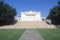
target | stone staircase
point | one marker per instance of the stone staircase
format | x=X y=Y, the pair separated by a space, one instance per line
x=29 y=24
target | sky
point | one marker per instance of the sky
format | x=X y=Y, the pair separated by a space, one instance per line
x=42 y=6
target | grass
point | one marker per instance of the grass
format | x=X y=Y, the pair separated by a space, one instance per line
x=50 y=34
x=10 y=34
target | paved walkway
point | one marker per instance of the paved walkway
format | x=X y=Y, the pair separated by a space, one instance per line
x=31 y=34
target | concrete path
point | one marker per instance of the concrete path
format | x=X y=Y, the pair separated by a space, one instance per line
x=31 y=34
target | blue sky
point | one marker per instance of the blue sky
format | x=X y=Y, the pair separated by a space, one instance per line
x=42 y=6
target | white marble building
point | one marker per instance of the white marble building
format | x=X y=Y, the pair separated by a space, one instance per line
x=30 y=16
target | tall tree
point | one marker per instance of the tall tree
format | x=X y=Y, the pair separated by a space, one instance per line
x=59 y=2
x=7 y=13
x=54 y=14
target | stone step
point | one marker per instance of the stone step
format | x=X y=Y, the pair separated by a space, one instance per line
x=30 y=24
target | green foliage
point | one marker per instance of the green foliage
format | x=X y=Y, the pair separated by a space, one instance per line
x=54 y=14
x=59 y=2
x=7 y=13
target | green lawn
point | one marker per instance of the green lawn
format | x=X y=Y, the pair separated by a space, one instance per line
x=50 y=34
x=10 y=34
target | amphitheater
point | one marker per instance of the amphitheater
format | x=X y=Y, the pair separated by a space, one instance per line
x=29 y=24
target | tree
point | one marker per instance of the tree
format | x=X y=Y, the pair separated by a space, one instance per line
x=7 y=13
x=59 y=2
x=54 y=14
